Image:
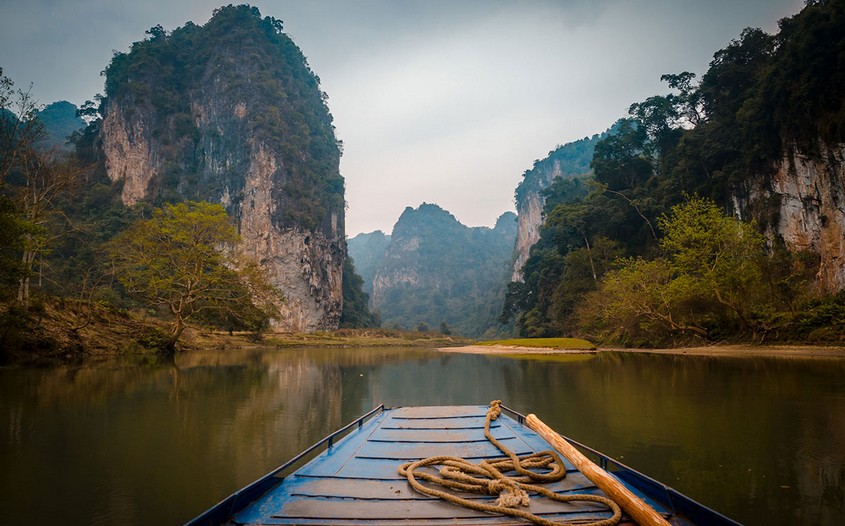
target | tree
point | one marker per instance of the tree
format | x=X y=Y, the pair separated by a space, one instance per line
x=32 y=177
x=356 y=312
x=20 y=128
x=708 y=282
x=640 y=303
x=44 y=178
x=183 y=259
x=720 y=254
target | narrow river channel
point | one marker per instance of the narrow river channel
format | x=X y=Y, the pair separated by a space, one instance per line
x=135 y=442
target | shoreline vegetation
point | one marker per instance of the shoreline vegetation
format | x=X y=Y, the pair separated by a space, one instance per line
x=68 y=331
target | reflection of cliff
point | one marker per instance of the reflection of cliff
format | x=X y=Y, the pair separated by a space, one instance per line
x=154 y=444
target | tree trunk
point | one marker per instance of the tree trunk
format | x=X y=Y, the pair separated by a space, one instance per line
x=170 y=347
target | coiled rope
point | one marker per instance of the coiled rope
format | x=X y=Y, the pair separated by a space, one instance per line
x=487 y=477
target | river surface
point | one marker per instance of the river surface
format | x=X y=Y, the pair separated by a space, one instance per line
x=136 y=442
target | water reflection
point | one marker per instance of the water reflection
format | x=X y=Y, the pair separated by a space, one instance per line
x=155 y=443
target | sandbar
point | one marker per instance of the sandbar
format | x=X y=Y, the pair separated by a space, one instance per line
x=738 y=350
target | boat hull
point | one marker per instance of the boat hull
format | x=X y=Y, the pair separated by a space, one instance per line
x=356 y=478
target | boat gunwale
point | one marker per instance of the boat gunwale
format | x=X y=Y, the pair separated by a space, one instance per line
x=229 y=506
x=676 y=501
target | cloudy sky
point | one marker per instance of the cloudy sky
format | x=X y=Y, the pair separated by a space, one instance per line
x=439 y=101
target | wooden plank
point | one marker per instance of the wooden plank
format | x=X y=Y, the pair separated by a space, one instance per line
x=373 y=510
x=417 y=450
x=398 y=489
x=438 y=423
x=439 y=412
x=439 y=435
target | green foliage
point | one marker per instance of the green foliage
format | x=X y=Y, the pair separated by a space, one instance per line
x=708 y=284
x=822 y=320
x=356 y=312
x=761 y=97
x=440 y=271
x=182 y=259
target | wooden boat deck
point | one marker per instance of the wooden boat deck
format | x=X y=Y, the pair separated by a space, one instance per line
x=356 y=481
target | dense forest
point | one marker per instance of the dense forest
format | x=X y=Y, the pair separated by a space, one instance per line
x=664 y=243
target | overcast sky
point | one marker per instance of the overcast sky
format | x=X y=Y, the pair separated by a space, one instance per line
x=439 y=101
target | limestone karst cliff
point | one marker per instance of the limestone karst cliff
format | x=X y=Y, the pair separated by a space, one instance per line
x=230 y=112
x=570 y=160
x=802 y=202
x=437 y=271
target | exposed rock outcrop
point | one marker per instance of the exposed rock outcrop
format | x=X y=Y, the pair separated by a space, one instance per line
x=241 y=122
x=570 y=160
x=529 y=212
x=803 y=202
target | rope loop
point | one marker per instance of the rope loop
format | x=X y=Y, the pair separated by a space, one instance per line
x=488 y=477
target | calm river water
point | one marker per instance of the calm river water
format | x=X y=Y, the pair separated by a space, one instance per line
x=759 y=439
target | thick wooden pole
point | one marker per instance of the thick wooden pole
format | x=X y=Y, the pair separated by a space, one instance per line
x=633 y=505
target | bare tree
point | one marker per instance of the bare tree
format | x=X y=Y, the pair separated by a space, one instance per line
x=33 y=178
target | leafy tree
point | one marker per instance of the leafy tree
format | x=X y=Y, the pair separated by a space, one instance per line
x=356 y=313
x=183 y=259
x=709 y=280
x=623 y=159
x=720 y=255
x=20 y=127
x=637 y=304
x=33 y=178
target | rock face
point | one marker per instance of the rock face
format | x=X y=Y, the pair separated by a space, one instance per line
x=803 y=202
x=437 y=271
x=230 y=112
x=367 y=250
x=570 y=160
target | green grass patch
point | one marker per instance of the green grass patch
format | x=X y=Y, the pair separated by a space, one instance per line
x=543 y=343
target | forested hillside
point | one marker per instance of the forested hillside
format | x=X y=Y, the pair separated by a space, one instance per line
x=571 y=160
x=440 y=275
x=367 y=250
x=757 y=141
x=61 y=121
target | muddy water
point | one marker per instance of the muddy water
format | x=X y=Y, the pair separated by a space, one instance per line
x=135 y=442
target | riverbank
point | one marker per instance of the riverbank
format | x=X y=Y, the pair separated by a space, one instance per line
x=200 y=339
x=60 y=331
x=794 y=351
